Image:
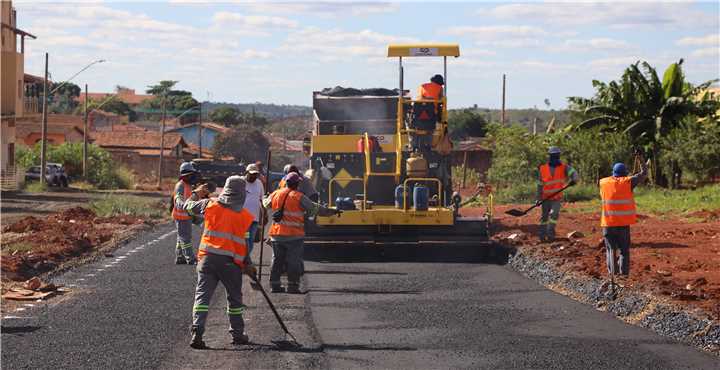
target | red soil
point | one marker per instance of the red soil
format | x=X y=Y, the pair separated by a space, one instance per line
x=669 y=257
x=54 y=239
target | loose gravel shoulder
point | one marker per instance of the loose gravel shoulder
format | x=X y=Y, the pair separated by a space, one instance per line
x=685 y=324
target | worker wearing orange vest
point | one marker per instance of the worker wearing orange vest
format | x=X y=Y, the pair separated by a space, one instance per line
x=288 y=231
x=433 y=89
x=223 y=255
x=306 y=187
x=552 y=176
x=618 y=213
x=183 y=188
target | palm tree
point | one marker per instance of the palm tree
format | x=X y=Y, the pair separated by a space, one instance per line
x=645 y=108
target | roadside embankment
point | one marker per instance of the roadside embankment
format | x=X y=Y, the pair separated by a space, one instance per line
x=38 y=246
x=674 y=283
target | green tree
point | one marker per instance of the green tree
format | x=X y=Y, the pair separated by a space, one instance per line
x=645 y=108
x=227 y=116
x=115 y=105
x=466 y=123
x=244 y=143
x=103 y=172
x=162 y=88
x=64 y=100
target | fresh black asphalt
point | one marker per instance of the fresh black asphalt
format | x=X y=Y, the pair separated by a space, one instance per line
x=363 y=310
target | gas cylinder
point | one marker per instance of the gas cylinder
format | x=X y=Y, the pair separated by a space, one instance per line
x=420 y=197
x=416 y=166
x=401 y=194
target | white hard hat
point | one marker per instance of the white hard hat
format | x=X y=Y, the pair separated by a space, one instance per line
x=554 y=150
x=187 y=167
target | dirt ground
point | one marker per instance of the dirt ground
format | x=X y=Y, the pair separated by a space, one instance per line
x=33 y=246
x=16 y=205
x=669 y=257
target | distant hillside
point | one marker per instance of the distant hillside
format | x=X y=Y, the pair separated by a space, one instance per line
x=270 y=111
x=526 y=117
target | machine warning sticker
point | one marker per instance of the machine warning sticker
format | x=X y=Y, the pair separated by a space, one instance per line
x=423 y=52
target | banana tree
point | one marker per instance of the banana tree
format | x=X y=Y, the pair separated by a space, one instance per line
x=645 y=108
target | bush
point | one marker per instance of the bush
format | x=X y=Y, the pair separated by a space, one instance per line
x=692 y=151
x=592 y=153
x=103 y=172
x=472 y=177
x=516 y=155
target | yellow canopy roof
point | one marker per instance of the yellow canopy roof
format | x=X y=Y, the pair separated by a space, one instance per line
x=424 y=50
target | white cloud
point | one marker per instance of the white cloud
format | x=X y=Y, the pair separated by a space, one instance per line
x=487 y=33
x=504 y=36
x=323 y=9
x=594 y=44
x=706 y=52
x=613 y=14
x=613 y=62
x=333 y=45
x=237 y=19
x=712 y=39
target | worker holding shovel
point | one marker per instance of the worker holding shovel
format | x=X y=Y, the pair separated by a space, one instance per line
x=618 y=213
x=553 y=177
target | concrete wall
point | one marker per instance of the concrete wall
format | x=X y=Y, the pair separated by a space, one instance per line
x=7 y=136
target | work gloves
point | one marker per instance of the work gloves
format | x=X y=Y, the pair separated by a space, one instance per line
x=250 y=270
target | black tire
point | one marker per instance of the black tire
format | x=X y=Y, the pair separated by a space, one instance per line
x=64 y=181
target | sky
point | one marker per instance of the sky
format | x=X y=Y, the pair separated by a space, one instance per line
x=280 y=52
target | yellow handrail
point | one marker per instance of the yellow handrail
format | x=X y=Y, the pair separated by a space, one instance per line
x=440 y=192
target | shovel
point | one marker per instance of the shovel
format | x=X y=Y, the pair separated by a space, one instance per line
x=280 y=343
x=519 y=213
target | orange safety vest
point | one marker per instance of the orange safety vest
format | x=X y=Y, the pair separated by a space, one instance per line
x=430 y=90
x=552 y=182
x=281 y=184
x=618 y=204
x=178 y=212
x=225 y=232
x=293 y=221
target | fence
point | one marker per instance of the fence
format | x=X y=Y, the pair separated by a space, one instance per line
x=11 y=179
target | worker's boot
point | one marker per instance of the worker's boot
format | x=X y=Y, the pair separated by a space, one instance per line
x=277 y=289
x=180 y=260
x=196 y=338
x=293 y=289
x=240 y=340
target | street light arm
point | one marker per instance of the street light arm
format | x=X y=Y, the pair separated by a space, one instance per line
x=75 y=75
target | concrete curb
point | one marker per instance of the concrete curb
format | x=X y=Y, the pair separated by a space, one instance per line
x=687 y=325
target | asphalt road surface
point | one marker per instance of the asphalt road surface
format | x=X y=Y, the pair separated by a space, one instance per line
x=364 y=309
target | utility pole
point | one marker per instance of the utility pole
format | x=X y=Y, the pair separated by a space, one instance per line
x=200 y=133
x=85 y=137
x=162 y=144
x=502 y=114
x=43 y=144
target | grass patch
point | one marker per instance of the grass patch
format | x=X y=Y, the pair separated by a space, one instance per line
x=35 y=187
x=18 y=247
x=657 y=200
x=118 y=205
x=660 y=201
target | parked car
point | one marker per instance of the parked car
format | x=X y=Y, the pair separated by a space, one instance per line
x=54 y=174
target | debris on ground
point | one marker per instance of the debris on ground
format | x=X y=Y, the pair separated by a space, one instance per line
x=670 y=257
x=31 y=290
x=32 y=246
